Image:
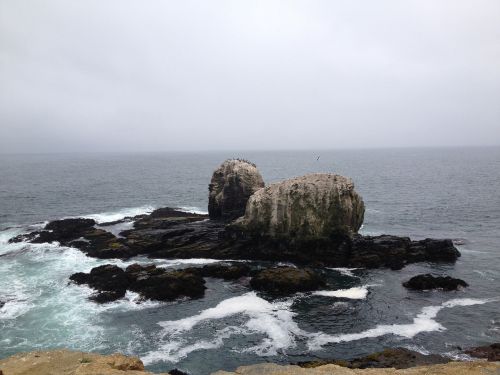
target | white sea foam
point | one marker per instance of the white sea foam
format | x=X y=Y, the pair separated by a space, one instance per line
x=352 y=293
x=195 y=261
x=423 y=322
x=274 y=320
x=193 y=210
x=106 y=217
x=345 y=271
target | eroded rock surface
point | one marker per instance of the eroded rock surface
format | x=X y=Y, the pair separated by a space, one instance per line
x=168 y=233
x=489 y=352
x=428 y=282
x=399 y=358
x=230 y=187
x=286 y=280
x=112 y=282
x=317 y=205
x=452 y=368
x=65 y=362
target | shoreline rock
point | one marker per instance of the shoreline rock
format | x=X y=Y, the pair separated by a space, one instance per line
x=398 y=358
x=66 y=362
x=489 y=352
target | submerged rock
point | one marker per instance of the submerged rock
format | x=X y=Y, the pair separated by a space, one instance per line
x=490 y=352
x=313 y=206
x=399 y=358
x=428 y=282
x=230 y=187
x=286 y=280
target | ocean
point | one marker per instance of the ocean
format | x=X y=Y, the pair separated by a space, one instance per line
x=435 y=192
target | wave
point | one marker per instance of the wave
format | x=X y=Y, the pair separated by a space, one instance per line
x=352 y=293
x=423 y=322
x=275 y=321
x=345 y=271
x=272 y=319
x=193 y=210
x=106 y=217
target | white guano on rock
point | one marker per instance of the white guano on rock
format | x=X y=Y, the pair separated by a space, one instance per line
x=312 y=206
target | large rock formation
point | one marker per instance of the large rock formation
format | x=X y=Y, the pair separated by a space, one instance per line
x=313 y=206
x=231 y=186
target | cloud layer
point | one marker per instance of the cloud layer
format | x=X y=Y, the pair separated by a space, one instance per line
x=123 y=75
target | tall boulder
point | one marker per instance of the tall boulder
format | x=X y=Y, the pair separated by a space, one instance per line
x=312 y=206
x=231 y=186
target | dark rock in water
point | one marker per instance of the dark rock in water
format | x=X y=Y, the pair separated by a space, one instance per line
x=69 y=227
x=150 y=282
x=177 y=372
x=230 y=187
x=155 y=283
x=108 y=296
x=286 y=280
x=398 y=358
x=2 y=304
x=490 y=352
x=168 y=233
x=104 y=278
x=58 y=230
x=428 y=282
x=225 y=272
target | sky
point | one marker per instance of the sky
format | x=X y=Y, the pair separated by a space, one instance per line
x=163 y=75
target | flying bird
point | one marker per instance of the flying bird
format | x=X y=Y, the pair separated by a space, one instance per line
x=317 y=158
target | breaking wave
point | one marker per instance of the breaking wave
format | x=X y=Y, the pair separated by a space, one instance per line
x=423 y=322
x=352 y=293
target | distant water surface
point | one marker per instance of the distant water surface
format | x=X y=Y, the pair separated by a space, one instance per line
x=452 y=192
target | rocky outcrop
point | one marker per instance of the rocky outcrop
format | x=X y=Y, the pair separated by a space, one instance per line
x=65 y=362
x=489 y=352
x=286 y=280
x=311 y=206
x=452 y=368
x=112 y=282
x=428 y=282
x=169 y=233
x=230 y=187
x=398 y=358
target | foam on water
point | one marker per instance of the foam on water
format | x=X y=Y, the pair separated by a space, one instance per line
x=345 y=271
x=193 y=210
x=274 y=320
x=352 y=293
x=106 y=217
x=423 y=322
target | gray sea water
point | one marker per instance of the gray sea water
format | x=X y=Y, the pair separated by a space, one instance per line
x=449 y=192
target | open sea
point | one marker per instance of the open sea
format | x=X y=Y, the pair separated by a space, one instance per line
x=436 y=192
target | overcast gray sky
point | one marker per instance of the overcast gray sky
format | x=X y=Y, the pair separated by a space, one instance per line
x=123 y=75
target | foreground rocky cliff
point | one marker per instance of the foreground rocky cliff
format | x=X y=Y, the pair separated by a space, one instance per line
x=65 y=362
x=452 y=368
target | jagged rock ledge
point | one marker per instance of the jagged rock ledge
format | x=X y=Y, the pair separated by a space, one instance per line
x=169 y=233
